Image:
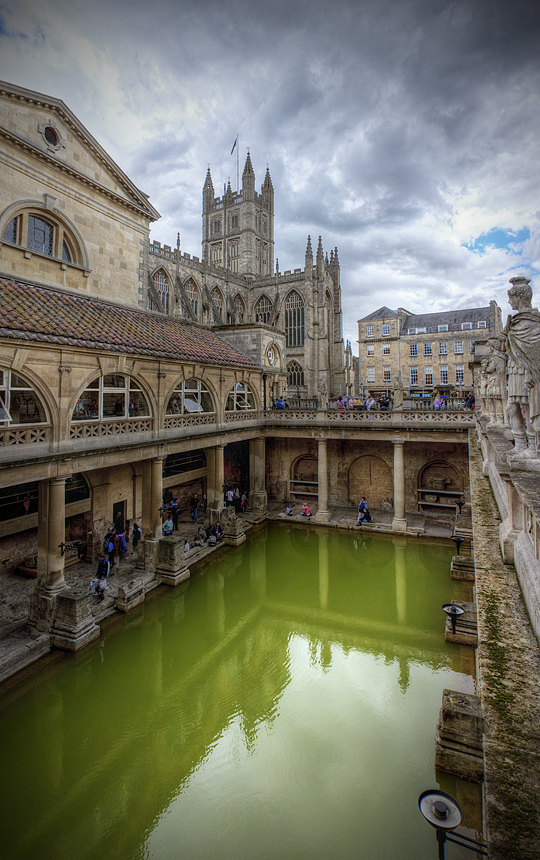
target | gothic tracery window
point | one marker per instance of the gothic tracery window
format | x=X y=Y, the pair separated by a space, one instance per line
x=193 y=295
x=161 y=284
x=294 y=320
x=263 y=310
x=295 y=374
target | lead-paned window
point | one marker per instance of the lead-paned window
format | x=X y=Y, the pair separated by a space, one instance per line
x=19 y=401
x=263 y=310
x=240 y=398
x=109 y=397
x=190 y=396
x=295 y=374
x=294 y=320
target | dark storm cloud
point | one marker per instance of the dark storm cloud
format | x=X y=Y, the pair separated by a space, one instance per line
x=398 y=130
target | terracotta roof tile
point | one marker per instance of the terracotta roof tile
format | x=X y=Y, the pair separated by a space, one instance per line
x=36 y=313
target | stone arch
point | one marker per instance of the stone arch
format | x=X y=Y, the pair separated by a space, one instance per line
x=305 y=468
x=371 y=476
x=9 y=385
x=95 y=389
x=22 y=208
x=440 y=475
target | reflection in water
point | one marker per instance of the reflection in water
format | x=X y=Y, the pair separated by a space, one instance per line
x=277 y=705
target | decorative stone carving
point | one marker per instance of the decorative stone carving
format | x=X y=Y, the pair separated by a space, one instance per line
x=398 y=394
x=495 y=371
x=522 y=333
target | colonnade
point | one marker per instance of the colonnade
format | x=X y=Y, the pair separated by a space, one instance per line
x=399 y=523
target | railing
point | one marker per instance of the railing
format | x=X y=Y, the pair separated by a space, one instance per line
x=110 y=428
x=23 y=435
x=353 y=417
x=192 y=420
x=242 y=415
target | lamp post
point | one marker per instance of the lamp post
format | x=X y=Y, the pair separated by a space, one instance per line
x=444 y=813
x=458 y=540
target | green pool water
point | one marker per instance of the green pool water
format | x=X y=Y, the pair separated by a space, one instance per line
x=281 y=705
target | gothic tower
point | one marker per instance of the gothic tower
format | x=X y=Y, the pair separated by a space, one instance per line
x=238 y=228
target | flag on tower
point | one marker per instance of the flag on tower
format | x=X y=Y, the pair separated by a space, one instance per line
x=234 y=144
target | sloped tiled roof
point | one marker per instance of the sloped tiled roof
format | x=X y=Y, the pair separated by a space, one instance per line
x=34 y=313
x=383 y=313
x=446 y=318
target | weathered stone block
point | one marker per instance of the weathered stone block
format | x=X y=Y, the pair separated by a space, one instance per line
x=459 y=737
x=171 y=562
x=74 y=625
x=130 y=595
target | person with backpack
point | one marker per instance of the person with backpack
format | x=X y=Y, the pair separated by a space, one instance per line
x=108 y=545
x=135 y=537
x=364 y=515
x=120 y=546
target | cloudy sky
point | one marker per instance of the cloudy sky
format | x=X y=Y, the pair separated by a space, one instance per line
x=404 y=132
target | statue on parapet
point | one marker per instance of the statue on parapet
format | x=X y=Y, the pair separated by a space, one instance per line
x=398 y=393
x=495 y=371
x=522 y=333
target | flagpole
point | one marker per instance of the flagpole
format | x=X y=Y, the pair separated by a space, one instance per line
x=237 y=165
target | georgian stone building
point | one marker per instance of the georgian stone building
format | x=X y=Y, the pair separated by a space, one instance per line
x=426 y=352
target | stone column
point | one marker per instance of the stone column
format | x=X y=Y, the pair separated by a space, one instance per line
x=323 y=514
x=258 y=495
x=50 y=565
x=152 y=501
x=216 y=477
x=399 y=523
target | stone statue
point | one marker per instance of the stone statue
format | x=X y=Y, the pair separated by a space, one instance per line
x=495 y=371
x=522 y=332
x=398 y=394
x=482 y=387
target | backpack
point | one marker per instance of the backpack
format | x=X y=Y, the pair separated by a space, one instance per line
x=108 y=545
x=120 y=543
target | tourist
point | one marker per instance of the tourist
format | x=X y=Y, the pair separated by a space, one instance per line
x=218 y=531
x=194 y=504
x=175 y=512
x=201 y=535
x=280 y=403
x=341 y=404
x=168 y=526
x=370 y=403
x=289 y=510
x=243 y=502
x=120 y=546
x=186 y=546
x=103 y=567
x=352 y=403
x=108 y=545
x=229 y=496
x=364 y=515
x=102 y=588
x=438 y=403
x=135 y=537
x=305 y=512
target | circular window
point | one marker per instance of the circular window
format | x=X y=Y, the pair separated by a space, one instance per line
x=51 y=135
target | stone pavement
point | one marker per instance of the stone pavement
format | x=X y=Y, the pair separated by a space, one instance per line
x=21 y=644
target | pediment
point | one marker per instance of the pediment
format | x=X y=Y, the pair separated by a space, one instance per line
x=48 y=128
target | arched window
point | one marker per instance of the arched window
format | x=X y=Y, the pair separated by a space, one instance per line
x=42 y=232
x=294 y=320
x=191 y=395
x=192 y=293
x=263 y=310
x=161 y=284
x=295 y=374
x=19 y=401
x=110 y=397
x=239 y=308
x=240 y=397
x=218 y=302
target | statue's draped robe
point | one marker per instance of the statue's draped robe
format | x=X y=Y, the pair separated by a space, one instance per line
x=523 y=348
